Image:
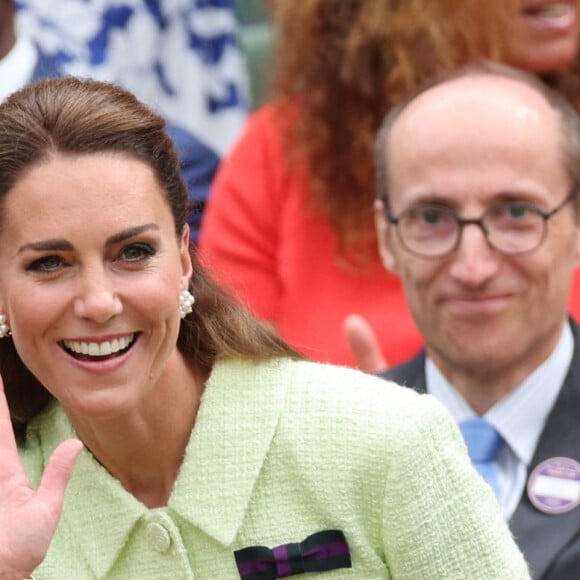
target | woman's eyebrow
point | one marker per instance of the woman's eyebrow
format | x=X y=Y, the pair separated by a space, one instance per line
x=130 y=233
x=46 y=246
x=60 y=245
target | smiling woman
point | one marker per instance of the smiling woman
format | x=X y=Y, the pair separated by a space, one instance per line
x=118 y=280
x=130 y=157
x=542 y=35
x=208 y=444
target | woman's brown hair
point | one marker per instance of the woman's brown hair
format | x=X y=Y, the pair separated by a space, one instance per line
x=69 y=116
x=345 y=63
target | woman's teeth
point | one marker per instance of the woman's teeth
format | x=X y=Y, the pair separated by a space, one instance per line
x=551 y=10
x=105 y=348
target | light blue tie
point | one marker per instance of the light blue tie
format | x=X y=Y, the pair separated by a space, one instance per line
x=483 y=444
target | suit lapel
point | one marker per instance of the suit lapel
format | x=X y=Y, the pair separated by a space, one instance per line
x=540 y=536
x=543 y=536
x=410 y=374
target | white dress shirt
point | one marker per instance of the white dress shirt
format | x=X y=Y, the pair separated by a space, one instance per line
x=519 y=417
x=17 y=67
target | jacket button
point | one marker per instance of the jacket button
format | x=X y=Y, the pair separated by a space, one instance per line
x=158 y=537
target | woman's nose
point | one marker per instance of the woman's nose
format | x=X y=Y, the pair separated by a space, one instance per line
x=97 y=299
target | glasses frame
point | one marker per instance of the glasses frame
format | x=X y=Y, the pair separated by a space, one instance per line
x=480 y=222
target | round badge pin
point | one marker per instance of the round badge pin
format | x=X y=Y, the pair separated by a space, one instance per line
x=554 y=485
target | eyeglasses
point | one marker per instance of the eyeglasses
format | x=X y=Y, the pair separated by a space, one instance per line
x=511 y=227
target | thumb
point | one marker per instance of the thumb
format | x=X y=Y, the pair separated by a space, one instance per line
x=57 y=474
x=364 y=345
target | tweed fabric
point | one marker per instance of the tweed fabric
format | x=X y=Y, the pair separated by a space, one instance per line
x=280 y=451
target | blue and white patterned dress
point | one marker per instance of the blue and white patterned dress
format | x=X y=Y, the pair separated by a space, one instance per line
x=181 y=57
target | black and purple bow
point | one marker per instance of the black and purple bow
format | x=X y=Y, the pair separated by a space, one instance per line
x=319 y=552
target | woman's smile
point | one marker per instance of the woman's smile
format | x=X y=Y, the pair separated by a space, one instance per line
x=105 y=292
x=98 y=350
x=559 y=16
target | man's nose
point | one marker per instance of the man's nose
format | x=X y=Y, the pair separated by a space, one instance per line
x=474 y=261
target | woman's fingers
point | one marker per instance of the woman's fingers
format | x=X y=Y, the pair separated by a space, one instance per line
x=28 y=517
x=10 y=464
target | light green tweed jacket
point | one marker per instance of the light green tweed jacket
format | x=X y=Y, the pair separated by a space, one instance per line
x=280 y=451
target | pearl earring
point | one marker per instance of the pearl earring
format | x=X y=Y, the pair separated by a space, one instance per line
x=186 y=300
x=4 y=326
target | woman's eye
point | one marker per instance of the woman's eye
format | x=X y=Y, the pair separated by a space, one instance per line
x=46 y=264
x=137 y=252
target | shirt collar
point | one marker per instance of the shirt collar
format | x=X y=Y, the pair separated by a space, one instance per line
x=520 y=416
x=17 y=67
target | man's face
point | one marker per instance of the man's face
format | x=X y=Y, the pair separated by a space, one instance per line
x=467 y=145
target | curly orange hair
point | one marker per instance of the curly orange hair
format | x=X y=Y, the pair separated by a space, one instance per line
x=346 y=63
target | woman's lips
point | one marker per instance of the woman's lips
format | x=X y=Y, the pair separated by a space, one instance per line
x=98 y=350
x=558 y=17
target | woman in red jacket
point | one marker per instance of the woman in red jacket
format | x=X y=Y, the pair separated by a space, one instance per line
x=289 y=224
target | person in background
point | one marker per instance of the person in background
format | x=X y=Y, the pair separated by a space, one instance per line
x=21 y=59
x=289 y=227
x=478 y=212
x=209 y=446
x=182 y=58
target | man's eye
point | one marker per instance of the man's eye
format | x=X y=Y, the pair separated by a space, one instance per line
x=512 y=212
x=46 y=264
x=431 y=216
x=137 y=252
x=517 y=210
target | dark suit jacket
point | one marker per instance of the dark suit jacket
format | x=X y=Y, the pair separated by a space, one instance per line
x=550 y=543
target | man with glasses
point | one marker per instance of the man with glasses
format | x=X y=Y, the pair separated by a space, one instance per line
x=477 y=211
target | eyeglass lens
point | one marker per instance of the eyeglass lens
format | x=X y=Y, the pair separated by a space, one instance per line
x=511 y=227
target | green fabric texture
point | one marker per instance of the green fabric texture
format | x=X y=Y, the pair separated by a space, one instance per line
x=280 y=451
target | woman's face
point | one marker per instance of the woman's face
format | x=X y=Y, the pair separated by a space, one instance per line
x=90 y=276
x=542 y=36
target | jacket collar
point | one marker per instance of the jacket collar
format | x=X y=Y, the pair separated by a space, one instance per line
x=96 y=505
x=543 y=536
x=236 y=422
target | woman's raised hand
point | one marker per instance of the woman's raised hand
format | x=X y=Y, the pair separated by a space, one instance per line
x=28 y=517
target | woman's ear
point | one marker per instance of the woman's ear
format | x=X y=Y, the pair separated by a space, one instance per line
x=186 y=265
x=383 y=237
